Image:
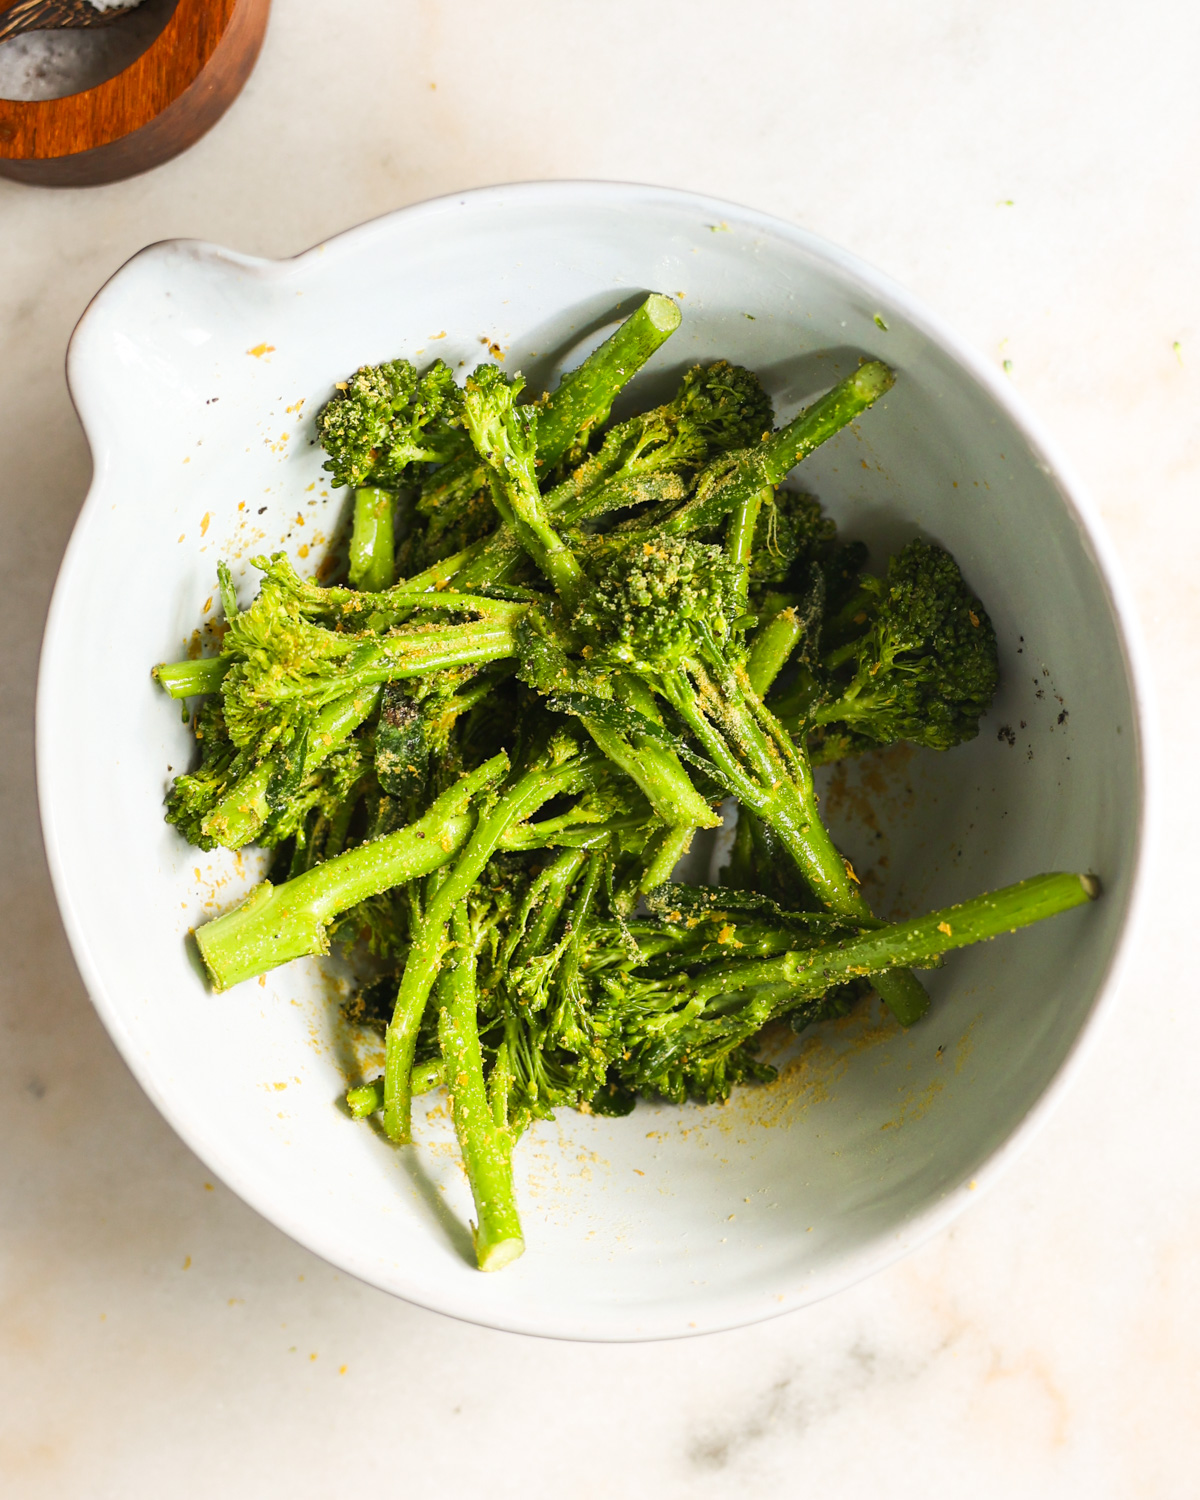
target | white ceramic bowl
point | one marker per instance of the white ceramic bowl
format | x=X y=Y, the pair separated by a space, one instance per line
x=196 y=372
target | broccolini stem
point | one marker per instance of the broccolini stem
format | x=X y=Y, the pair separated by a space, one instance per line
x=658 y=771
x=545 y=902
x=417 y=652
x=429 y=946
x=739 y=873
x=763 y=785
x=653 y=766
x=490 y=560
x=903 y=994
x=355 y=609
x=585 y=395
x=570 y=832
x=185 y=679
x=277 y=923
x=505 y=437
x=486 y=1146
x=770 y=648
x=516 y=498
x=339 y=821
x=500 y=1085
x=809 y=973
x=827 y=873
x=373 y=540
x=784 y=449
x=767 y=774
x=367 y=1098
x=671 y=846
x=439 y=574
x=423 y=649
x=740 y=539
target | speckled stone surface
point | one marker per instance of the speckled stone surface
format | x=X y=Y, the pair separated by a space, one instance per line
x=1031 y=172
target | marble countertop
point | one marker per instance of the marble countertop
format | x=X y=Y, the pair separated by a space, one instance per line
x=1030 y=171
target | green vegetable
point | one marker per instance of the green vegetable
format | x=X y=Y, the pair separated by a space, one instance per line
x=486 y=1142
x=911 y=657
x=373 y=544
x=385 y=419
x=454 y=501
x=479 y=779
x=669 y=616
x=559 y=770
x=277 y=923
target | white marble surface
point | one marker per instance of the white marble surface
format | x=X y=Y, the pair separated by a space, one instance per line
x=1031 y=171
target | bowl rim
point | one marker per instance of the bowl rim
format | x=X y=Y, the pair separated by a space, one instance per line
x=735 y=1310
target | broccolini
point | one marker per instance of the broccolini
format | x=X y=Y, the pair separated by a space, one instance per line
x=560 y=645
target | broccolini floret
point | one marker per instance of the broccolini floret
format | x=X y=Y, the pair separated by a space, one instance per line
x=386 y=418
x=919 y=662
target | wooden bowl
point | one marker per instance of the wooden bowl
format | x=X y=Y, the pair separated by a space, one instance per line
x=157 y=107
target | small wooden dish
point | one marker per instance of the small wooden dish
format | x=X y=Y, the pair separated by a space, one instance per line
x=157 y=107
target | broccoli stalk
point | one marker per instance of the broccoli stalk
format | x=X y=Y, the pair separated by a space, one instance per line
x=668 y=849
x=584 y=396
x=275 y=924
x=655 y=456
x=739 y=542
x=651 y=457
x=566 y=418
x=759 y=765
x=187 y=679
x=771 y=647
x=486 y=1142
x=366 y=1099
x=590 y=822
x=808 y=973
x=373 y=540
x=550 y=775
x=505 y=436
x=625 y=725
x=657 y=770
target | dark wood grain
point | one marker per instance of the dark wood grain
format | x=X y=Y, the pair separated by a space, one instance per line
x=159 y=106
